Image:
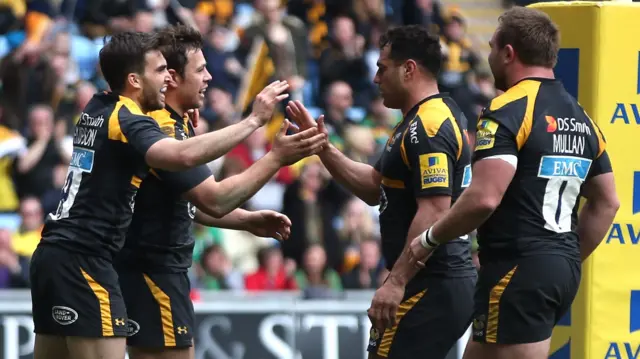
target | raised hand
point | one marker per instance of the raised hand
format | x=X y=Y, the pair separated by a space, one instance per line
x=301 y=116
x=290 y=149
x=266 y=101
x=269 y=224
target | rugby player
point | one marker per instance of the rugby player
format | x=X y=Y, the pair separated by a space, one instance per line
x=423 y=169
x=153 y=264
x=537 y=152
x=78 y=310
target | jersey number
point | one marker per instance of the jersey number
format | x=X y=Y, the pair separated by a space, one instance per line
x=560 y=198
x=69 y=192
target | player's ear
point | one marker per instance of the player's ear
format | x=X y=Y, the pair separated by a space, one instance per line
x=175 y=78
x=410 y=67
x=134 y=80
x=509 y=54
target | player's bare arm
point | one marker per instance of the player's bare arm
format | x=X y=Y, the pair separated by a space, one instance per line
x=263 y=223
x=360 y=178
x=219 y=198
x=386 y=299
x=598 y=212
x=491 y=178
x=174 y=155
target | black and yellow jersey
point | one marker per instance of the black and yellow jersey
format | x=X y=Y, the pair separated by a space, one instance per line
x=426 y=155
x=543 y=131
x=107 y=166
x=159 y=238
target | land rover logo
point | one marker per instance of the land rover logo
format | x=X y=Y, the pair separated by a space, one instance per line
x=132 y=327
x=64 y=315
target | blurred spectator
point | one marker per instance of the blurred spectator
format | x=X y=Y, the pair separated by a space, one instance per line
x=368 y=273
x=14 y=269
x=273 y=272
x=381 y=121
x=286 y=39
x=38 y=17
x=459 y=61
x=344 y=60
x=315 y=272
x=218 y=12
x=369 y=13
x=11 y=145
x=217 y=271
x=338 y=99
x=360 y=145
x=427 y=13
x=219 y=110
x=51 y=198
x=83 y=92
x=103 y=16
x=67 y=73
x=34 y=168
x=357 y=227
x=245 y=155
x=25 y=241
x=316 y=14
x=312 y=203
x=224 y=68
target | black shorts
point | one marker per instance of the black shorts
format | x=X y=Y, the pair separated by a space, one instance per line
x=159 y=308
x=75 y=295
x=520 y=301
x=434 y=314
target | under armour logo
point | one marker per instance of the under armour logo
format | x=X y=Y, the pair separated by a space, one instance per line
x=182 y=330
x=119 y=322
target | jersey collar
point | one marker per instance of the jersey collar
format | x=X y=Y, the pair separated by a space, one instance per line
x=414 y=110
x=176 y=116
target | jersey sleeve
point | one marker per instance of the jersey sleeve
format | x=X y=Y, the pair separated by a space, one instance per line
x=504 y=126
x=493 y=139
x=600 y=165
x=140 y=131
x=184 y=181
x=431 y=158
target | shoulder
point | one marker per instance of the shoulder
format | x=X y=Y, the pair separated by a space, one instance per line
x=434 y=115
x=513 y=106
x=165 y=121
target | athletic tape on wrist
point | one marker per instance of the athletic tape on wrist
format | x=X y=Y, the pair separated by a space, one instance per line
x=426 y=239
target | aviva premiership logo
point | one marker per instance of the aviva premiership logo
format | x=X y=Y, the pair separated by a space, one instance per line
x=561 y=340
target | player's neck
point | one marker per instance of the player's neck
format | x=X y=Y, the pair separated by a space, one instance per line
x=133 y=96
x=531 y=71
x=174 y=104
x=419 y=93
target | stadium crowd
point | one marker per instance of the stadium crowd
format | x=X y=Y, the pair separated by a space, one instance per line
x=326 y=50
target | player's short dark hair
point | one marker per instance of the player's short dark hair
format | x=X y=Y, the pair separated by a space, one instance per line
x=123 y=54
x=416 y=43
x=534 y=37
x=176 y=42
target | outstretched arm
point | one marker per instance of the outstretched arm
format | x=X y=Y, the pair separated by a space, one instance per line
x=171 y=154
x=219 y=198
x=260 y=223
x=361 y=179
